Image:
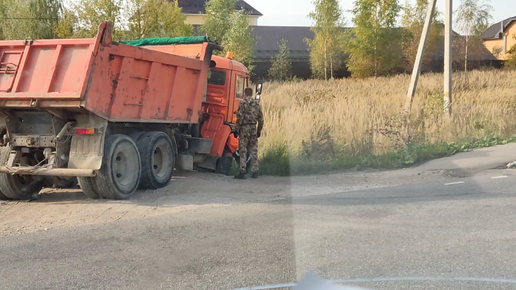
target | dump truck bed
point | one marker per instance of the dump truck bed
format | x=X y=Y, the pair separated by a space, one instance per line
x=118 y=82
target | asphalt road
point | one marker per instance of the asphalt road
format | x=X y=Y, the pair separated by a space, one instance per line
x=418 y=236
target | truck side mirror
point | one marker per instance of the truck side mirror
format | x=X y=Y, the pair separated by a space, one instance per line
x=259 y=89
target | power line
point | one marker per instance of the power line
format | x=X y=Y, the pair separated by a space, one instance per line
x=30 y=18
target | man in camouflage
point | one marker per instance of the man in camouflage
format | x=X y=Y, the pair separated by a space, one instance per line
x=248 y=128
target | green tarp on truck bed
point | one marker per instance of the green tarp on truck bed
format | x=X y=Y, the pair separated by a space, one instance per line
x=167 y=41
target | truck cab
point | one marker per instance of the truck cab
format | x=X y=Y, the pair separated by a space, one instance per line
x=225 y=90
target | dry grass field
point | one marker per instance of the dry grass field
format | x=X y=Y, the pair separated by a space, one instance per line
x=320 y=123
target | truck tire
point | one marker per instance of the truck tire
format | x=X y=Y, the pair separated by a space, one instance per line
x=3 y=197
x=119 y=176
x=158 y=160
x=89 y=188
x=225 y=163
x=17 y=187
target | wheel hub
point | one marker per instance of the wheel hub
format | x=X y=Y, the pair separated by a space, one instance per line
x=121 y=170
x=159 y=161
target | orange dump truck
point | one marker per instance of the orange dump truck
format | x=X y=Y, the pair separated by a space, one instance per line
x=115 y=117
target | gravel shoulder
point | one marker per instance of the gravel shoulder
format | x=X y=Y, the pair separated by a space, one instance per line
x=194 y=191
x=187 y=192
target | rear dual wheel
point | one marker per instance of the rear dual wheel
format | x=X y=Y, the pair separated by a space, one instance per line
x=89 y=188
x=158 y=160
x=119 y=176
x=149 y=164
x=3 y=197
x=23 y=187
x=17 y=187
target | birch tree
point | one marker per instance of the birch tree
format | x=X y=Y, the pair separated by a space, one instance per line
x=473 y=17
x=326 y=49
x=374 y=49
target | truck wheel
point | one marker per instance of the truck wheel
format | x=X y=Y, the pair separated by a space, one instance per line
x=89 y=188
x=3 y=197
x=17 y=187
x=225 y=162
x=119 y=176
x=158 y=160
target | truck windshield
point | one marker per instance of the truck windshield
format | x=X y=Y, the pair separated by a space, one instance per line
x=217 y=78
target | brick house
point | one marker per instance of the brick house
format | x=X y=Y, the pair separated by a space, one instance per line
x=500 y=38
x=195 y=13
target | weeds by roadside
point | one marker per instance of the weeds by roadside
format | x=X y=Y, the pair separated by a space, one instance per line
x=281 y=162
x=317 y=126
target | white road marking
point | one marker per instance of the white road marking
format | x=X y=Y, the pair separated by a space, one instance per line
x=454 y=183
x=499 y=177
x=392 y=279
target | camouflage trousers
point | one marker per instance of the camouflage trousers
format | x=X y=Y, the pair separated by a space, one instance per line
x=248 y=141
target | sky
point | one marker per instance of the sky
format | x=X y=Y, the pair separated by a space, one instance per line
x=294 y=12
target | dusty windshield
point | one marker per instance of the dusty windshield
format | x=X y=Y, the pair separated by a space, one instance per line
x=217 y=78
x=245 y=144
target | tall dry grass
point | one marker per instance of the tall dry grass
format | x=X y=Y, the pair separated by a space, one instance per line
x=321 y=119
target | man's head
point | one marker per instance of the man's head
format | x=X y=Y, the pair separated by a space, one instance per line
x=248 y=92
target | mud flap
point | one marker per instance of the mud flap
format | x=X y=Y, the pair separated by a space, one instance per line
x=210 y=162
x=86 y=151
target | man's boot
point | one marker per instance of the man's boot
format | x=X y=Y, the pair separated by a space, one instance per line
x=255 y=175
x=241 y=175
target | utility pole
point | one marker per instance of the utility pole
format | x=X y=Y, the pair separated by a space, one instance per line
x=416 y=72
x=448 y=59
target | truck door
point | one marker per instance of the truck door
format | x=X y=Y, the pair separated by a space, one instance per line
x=241 y=82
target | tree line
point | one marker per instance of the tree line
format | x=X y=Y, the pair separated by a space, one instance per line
x=132 y=19
x=384 y=38
x=375 y=46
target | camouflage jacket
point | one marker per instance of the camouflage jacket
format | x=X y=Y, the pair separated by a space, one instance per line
x=249 y=113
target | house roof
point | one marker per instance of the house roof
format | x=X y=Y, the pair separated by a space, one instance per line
x=493 y=32
x=269 y=38
x=197 y=7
